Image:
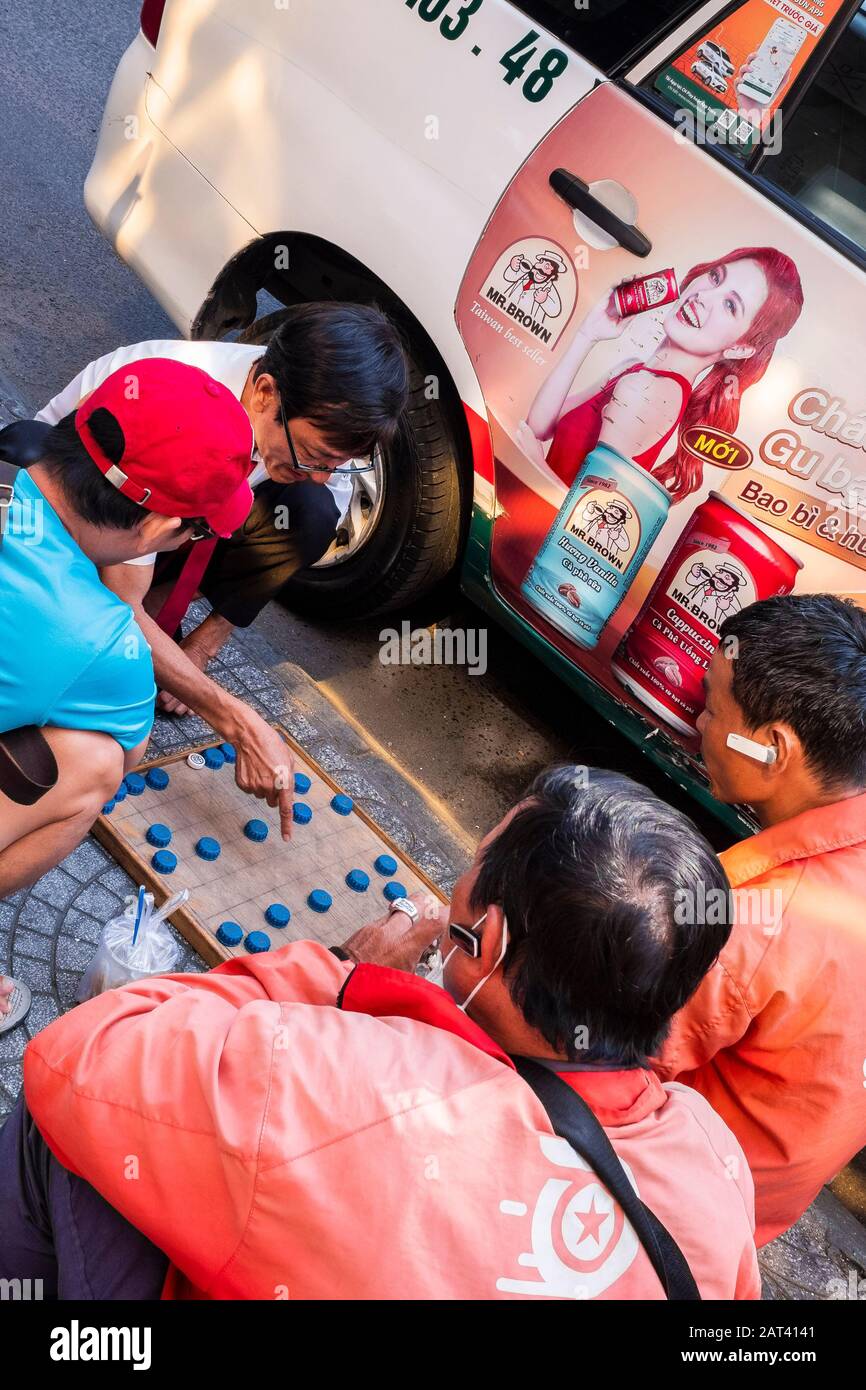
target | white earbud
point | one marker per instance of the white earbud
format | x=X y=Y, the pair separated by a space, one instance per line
x=761 y=752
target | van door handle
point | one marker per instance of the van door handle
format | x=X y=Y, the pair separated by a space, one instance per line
x=576 y=193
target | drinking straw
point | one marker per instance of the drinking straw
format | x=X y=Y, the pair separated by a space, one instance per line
x=138 y=911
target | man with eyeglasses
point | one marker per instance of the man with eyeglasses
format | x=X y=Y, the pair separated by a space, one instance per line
x=329 y=389
x=112 y=481
x=324 y=1128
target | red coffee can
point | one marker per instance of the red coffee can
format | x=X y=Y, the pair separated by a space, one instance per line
x=721 y=562
x=646 y=292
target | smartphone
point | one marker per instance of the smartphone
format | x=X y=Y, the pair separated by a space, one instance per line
x=772 y=62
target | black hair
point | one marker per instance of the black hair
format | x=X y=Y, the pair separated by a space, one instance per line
x=801 y=659
x=616 y=908
x=86 y=490
x=344 y=368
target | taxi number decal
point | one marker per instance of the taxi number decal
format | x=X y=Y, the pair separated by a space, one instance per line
x=537 y=84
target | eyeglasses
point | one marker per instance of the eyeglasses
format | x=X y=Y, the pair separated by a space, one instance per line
x=340 y=472
x=201 y=531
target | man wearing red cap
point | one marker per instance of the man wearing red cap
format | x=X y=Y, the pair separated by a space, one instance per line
x=157 y=455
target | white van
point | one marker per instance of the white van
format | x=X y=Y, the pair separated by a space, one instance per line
x=487 y=171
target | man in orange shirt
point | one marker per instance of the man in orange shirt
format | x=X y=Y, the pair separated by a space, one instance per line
x=775 y=1036
x=309 y=1127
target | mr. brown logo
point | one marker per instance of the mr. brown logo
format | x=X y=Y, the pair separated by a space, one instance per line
x=710 y=587
x=608 y=523
x=717 y=447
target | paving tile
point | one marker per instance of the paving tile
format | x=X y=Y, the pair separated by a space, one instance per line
x=31 y=943
x=57 y=887
x=43 y=1011
x=10 y=1079
x=39 y=916
x=253 y=678
x=86 y=861
x=72 y=954
x=117 y=880
x=13 y=1043
x=8 y=913
x=67 y=987
x=231 y=655
x=301 y=729
x=81 y=925
x=275 y=701
x=99 y=902
x=38 y=974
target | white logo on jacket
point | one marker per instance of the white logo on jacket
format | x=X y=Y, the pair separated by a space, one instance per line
x=581 y=1241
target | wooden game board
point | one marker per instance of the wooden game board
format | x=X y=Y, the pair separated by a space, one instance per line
x=247 y=877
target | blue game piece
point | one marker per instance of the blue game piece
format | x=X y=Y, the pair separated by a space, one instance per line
x=158 y=835
x=301 y=813
x=394 y=890
x=164 y=861
x=319 y=900
x=229 y=752
x=256 y=830
x=258 y=941
x=229 y=933
x=134 y=783
x=357 y=880
x=342 y=804
x=302 y=782
x=277 y=915
x=108 y=808
x=120 y=794
x=385 y=865
x=208 y=848
x=214 y=758
x=157 y=778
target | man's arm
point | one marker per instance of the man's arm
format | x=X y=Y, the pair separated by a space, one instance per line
x=264 y=766
x=395 y=940
x=156 y=1093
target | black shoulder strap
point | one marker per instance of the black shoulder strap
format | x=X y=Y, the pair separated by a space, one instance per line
x=21 y=444
x=573 y=1120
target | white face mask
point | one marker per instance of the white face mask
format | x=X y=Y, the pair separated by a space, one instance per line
x=436 y=974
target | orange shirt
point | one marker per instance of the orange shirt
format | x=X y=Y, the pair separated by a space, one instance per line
x=285 y=1147
x=775 y=1037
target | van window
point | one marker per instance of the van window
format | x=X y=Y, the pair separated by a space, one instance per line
x=822 y=161
x=608 y=32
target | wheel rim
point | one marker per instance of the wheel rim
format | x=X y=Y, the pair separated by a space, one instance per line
x=361 y=518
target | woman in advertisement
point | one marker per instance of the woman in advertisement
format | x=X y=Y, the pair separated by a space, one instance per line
x=718 y=341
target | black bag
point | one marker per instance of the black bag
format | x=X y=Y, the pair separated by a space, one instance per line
x=572 y=1119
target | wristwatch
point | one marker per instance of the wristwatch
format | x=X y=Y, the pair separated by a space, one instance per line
x=404 y=905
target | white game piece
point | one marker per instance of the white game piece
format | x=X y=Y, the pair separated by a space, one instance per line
x=196 y=760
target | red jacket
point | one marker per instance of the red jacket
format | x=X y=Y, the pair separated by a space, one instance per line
x=775 y=1037
x=276 y=1146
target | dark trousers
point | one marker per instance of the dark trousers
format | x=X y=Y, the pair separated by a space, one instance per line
x=290 y=526
x=56 y=1228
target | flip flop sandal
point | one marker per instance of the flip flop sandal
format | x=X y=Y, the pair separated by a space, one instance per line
x=19 y=1001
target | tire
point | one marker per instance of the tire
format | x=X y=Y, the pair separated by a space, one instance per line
x=415 y=540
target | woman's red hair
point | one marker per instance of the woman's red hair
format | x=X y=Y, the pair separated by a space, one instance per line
x=715 y=401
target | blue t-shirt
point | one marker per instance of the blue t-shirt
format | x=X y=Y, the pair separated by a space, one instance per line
x=71 y=652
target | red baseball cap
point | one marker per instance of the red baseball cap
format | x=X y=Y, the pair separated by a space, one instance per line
x=188 y=442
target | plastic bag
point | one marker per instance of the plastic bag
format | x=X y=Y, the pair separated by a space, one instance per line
x=128 y=952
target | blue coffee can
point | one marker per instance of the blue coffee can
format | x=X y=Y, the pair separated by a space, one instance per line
x=601 y=536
